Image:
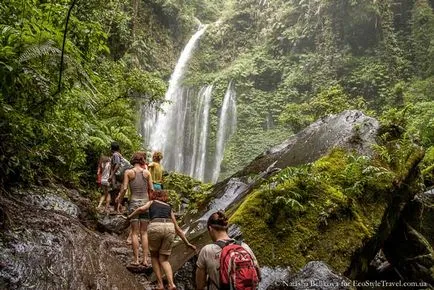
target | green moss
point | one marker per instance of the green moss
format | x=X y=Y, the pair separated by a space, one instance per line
x=180 y=186
x=333 y=163
x=330 y=227
x=336 y=194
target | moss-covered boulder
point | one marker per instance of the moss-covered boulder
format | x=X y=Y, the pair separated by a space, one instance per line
x=323 y=211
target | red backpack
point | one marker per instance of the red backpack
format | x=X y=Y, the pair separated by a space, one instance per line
x=237 y=268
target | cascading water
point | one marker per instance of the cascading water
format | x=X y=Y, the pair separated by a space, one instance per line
x=227 y=126
x=181 y=130
x=199 y=158
x=167 y=130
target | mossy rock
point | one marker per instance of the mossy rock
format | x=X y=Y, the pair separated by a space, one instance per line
x=183 y=186
x=320 y=219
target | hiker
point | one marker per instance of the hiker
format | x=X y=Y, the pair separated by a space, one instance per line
x=156 y=170
x=115 y=164
x=161 y=235
x=214 y=260
x=140 y=182
x=144 y=166
x=104 y=173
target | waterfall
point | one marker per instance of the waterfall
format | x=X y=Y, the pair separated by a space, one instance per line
x=227 y=125
x=167 y=133
x=201 y=135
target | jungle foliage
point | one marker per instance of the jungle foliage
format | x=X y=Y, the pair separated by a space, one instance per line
x=292 y=62
x=58 y=117
x=296 y=61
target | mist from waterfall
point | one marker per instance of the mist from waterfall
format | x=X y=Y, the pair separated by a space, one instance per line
x=227 y=126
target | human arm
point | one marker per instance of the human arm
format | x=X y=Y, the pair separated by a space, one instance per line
x=200 y=278
x=141 y=209
x=180 y=233
x=99 y=170
x=148 y=176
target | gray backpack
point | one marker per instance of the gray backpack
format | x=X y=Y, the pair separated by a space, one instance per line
x=125 y=164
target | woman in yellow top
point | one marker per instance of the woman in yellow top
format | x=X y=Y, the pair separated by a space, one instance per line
x=156 y=170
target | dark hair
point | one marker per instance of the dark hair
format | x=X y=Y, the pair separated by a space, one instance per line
x=138 y=158
x=218 y=221
x=114 y=146
x=160 y=195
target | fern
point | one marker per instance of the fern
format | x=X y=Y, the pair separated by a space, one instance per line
x=38 y=51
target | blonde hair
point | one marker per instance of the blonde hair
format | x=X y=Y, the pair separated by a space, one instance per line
x=157 y=155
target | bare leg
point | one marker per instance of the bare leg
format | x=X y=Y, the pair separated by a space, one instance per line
x=107 y=197
x=101 y=200
x=129 y=237
x=118 y=207
x=144 y=240
x=135 y=241
x=157 y=270
x=164 y=262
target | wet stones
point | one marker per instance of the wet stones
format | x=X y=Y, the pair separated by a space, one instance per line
x=112 y=224
x=314 y=275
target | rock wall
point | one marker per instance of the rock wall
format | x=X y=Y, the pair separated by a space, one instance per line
x=44 y=244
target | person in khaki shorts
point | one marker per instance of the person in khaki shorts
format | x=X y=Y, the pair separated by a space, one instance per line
x=161 y=235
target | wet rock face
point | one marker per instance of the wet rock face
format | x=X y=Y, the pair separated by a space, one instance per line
x=44 y=245
x=315 y=275
x=273 y=278
x=350 y=129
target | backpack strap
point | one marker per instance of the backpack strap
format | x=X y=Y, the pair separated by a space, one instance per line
x=224 y=243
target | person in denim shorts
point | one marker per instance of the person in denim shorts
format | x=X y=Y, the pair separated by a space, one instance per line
x=140 y=182
x=161 y=234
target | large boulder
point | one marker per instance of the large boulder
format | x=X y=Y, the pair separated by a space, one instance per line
x=351 y=130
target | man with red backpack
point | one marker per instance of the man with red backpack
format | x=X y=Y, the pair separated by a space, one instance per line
x=229 y=264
